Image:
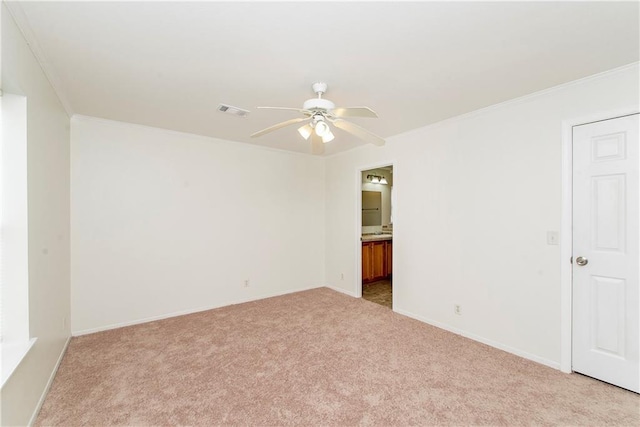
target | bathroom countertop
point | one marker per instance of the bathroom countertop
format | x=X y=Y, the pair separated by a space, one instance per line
x=376 y=237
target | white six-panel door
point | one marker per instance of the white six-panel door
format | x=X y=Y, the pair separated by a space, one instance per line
x=605 y=251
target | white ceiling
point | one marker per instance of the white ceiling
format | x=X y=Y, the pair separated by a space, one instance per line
x=169 y=65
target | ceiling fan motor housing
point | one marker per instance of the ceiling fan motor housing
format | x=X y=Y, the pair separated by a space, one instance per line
x=318 y=104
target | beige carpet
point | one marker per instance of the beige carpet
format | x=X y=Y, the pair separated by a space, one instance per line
x=314 y=358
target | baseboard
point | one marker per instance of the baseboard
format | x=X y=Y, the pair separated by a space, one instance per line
x=343 y=291
x=185 y=312
x=48 y=386
x=499 y=346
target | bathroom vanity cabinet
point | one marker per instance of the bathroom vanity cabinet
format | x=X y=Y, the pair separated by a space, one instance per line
x=376 y=260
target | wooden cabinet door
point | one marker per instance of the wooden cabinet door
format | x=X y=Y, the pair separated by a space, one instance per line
x=367 y=270
x=389 y=258
x=378 y=260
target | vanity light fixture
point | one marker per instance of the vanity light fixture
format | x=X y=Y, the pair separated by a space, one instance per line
x=377 y=179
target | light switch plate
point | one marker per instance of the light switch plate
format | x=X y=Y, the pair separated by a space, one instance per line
x=552 y=238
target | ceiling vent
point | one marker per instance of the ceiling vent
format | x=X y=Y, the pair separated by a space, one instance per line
x=230 y=109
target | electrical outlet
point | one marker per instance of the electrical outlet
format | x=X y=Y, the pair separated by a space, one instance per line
x=341 y=276
x=246 y=283
x=457 y=309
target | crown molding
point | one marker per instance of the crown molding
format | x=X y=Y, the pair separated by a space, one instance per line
x=22 y=22
x=237 y=144
x=500 y=105
x=525 y=98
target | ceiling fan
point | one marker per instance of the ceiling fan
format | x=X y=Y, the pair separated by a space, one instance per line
x=319 y=112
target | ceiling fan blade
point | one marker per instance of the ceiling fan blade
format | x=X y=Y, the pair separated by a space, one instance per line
x=301 y=110
x=317 y=146
x=354 y=112
x=279 y=125
x=358 y=131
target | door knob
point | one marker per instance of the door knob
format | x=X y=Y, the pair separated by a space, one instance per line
x=582 y=261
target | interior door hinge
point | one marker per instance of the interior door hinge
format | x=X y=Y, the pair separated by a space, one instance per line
x=571 y=260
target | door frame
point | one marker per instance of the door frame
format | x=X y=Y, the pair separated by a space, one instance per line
x=358 y=234
x=566 y=226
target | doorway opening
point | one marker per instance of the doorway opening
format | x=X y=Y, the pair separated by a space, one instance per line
x=376 y=235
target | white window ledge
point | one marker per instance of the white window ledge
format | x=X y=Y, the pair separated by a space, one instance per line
x=12 y=355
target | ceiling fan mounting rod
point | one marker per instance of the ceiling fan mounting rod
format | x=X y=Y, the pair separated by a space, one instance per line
x=319 y=88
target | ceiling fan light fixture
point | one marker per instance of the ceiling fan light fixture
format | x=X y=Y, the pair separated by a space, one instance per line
x=322 y=128
x=328 y=136
x=305 y=131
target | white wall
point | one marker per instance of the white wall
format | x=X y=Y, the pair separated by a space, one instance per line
x=48 y=224
x=14 y=258
x=475 y=196
x=165 y=223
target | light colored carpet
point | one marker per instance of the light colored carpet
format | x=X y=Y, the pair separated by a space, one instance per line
x=314 y=358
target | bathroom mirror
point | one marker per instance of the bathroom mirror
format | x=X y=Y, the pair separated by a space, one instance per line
x=371 y=208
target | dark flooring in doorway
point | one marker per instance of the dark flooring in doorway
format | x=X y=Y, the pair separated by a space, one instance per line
x=378 y=292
